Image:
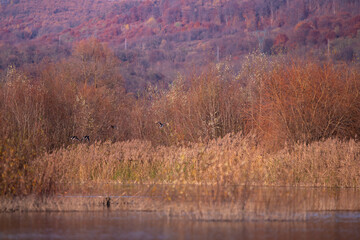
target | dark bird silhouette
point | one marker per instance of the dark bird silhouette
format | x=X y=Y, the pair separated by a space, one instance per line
x=161 y=125
x=86 y=138
x=74 y=138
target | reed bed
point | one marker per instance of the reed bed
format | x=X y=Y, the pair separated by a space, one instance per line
x=231 y=160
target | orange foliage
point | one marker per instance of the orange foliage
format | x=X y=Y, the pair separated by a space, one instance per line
x=310 y=102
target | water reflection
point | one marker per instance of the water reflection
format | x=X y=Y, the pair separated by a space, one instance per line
x=187 y=212
x=142 y=225
x=217 y=202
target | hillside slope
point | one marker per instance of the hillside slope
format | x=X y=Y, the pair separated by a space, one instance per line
x=156 y=35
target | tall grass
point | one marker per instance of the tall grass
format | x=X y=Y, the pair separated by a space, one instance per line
x=231 y=160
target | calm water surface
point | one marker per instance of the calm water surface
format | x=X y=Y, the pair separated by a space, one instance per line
x=109 y=224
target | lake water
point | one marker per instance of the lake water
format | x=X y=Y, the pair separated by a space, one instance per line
x=188 y=212
x=109 y=224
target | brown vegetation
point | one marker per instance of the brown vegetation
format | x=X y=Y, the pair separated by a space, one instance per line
x=231 y=160
x=288 y=106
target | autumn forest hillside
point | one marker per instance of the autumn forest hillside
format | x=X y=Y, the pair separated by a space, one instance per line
x=157 y=38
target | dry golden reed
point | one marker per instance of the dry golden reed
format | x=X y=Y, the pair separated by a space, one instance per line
x=233 y=159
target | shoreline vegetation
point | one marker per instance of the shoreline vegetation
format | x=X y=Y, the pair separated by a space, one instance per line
x=198 y=181
x=231 y=160
x=271 y=121
x=197 y=202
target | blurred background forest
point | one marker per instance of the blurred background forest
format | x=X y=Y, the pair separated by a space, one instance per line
x=155 y=39
x=286 y=71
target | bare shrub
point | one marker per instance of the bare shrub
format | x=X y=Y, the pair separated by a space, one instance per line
x=22 y=120
x=309 y=102
x=202 y=107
